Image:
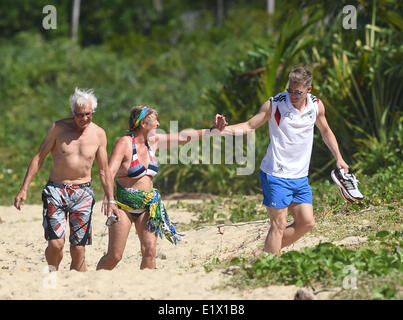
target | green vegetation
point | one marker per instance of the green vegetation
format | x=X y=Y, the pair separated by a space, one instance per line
x=189 y=65
x=376 y=272
x=382 y=190
x=375 y=263
x=188 y=61
x=37 y=76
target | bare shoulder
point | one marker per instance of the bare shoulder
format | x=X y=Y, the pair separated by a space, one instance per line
x=123 y=142
x=122 y=145
x=321 y=121
x=266 y=107
x=263 y=115
x=60 y=126
x=321 y=110
x=98 y=132
x=97 y=129
x=63 y=123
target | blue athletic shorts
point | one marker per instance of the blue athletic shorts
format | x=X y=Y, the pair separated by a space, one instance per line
x=280 y=192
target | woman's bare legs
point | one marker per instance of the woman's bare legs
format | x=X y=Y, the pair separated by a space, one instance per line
x=148 y=243
x=118 y=234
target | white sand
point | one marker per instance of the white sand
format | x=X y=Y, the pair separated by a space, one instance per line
x=180 y=274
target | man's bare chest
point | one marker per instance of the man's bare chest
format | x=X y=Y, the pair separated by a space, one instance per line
x=77 y=145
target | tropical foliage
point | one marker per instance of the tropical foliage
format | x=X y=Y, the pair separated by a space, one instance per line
x=368 y=270
x=357 y=74
x=188 y=64
x=191 y=59
x=375 y=272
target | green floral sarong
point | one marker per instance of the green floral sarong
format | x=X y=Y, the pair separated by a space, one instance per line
x=158 y=222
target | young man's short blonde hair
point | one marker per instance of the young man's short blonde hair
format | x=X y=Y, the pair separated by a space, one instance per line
x=301 y=75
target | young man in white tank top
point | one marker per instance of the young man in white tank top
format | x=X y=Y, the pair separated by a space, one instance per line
x=284 y=169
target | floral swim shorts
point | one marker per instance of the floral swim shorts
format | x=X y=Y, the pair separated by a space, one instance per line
x=62 y=201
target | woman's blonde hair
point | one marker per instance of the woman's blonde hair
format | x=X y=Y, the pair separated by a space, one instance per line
x=135 y=113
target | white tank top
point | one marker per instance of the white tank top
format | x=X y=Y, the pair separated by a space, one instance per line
x=291 y=137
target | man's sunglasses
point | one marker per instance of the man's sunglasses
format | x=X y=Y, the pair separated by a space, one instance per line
x=82 y=115
x=296 y=92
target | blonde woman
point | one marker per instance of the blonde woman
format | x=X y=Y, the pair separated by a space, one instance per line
x=134 y=165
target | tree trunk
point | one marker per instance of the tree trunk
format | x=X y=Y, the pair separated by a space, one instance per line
x=75 y=19
x=220 y=12
x=270 y=4
x=158 y=5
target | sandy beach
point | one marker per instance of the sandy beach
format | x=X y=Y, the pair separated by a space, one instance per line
x=180 y=274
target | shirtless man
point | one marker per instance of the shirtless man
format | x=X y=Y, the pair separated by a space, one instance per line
x=74 y=144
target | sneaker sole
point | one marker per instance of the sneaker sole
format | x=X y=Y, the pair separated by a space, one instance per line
x=342 y=188
x=345 y=196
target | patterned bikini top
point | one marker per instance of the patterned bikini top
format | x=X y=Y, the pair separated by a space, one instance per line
x=137 y=169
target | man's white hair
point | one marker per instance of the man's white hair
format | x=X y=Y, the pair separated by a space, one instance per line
x=81 y=97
